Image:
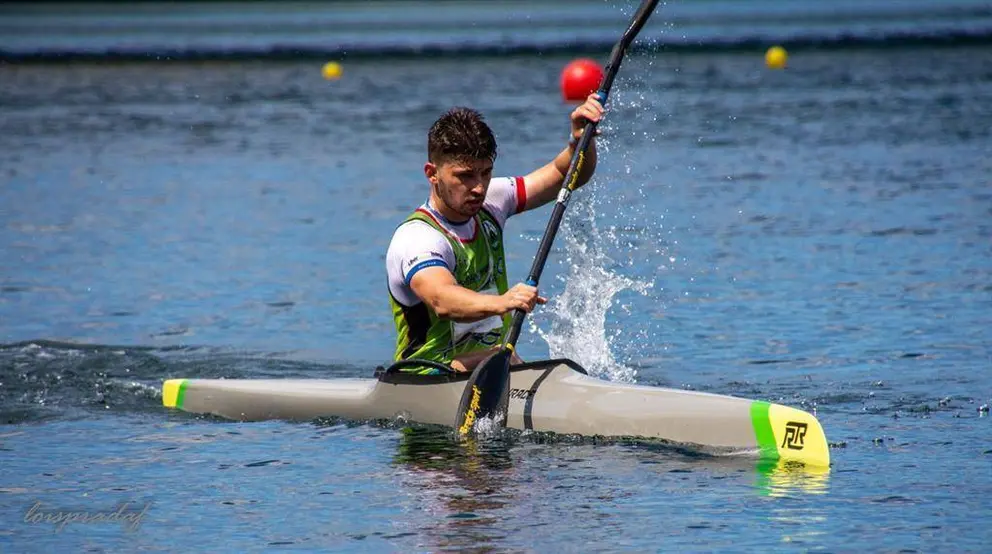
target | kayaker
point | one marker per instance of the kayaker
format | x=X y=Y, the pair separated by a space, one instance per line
x=447 y=280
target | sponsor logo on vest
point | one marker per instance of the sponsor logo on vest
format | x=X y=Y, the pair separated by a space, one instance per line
x=493 y=235
x=477 y=276
x=795 y=434
x=490 y=338
x=491 y=231
x=522 y=394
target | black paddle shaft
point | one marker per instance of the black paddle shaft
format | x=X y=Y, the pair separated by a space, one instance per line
x=575 y=165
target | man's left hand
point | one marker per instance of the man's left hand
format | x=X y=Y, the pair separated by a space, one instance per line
x=590 y=110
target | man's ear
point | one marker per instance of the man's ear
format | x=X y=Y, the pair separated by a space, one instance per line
x=430 y=170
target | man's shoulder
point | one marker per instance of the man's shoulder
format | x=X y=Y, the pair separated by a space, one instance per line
x=505 y=197
x=505 y=181
x=414 y=227
x=415 y=232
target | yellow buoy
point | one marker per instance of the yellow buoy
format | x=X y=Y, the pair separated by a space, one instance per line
x=775 y=57
x=331 y=71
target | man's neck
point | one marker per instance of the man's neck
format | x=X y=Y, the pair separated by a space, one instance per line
x=447 y=213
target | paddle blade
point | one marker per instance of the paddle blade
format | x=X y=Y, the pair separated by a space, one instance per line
x=486 y=393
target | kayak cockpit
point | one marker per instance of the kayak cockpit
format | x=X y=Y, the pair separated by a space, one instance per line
x=395 y=375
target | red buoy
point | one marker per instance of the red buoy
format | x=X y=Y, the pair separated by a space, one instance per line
x=579 y=79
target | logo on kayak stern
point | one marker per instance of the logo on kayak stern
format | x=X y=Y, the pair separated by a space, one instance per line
x=795 y=435
x=522 y=394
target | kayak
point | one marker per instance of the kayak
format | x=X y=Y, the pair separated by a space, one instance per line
x=551 y=395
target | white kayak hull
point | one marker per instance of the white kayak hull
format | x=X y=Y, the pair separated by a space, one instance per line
x=555 y=396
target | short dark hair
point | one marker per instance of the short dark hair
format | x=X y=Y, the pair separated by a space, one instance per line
x=460 y=134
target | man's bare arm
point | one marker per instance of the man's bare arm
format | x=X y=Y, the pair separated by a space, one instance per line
x=544 y=183
x=437 y=287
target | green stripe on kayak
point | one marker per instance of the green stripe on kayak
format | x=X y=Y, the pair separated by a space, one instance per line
x=763 y=430
x=174 y=393
x=181 y=398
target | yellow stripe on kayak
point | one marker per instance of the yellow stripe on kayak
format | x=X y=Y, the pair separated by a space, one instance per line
x=798 y=436
x=788 y=434
x=172 y=393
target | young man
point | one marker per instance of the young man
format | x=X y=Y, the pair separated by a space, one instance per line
x=445 y=264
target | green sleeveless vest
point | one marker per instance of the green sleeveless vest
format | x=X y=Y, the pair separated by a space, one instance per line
x=480 y=265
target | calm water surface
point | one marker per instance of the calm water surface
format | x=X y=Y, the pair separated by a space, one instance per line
x=819 y=237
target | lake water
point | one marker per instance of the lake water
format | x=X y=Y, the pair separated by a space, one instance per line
x=819 y=237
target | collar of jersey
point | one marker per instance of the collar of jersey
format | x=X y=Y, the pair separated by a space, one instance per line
x=446 y=221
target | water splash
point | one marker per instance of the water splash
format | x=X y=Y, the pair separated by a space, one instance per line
x=489 y=426
x=578 y=315
x=613 y=243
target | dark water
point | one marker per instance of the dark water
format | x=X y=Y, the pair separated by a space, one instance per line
x=819 y=237
x=372 y=28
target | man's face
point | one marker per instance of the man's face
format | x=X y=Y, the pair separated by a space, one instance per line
x=461 y=184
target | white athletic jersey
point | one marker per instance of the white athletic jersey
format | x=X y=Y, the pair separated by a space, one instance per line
x=416 y=245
